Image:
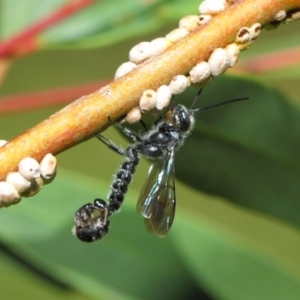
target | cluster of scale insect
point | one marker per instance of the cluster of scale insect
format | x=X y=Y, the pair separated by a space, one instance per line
x=27 y=180
x=158 y=101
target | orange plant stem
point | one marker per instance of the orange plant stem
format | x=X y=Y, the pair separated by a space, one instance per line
x=76 y=122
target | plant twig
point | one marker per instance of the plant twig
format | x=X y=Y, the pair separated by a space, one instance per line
x=76 y=122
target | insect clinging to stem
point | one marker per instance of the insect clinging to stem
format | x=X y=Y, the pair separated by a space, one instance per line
x=157 y=200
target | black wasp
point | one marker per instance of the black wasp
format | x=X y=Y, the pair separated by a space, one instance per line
x=157 y=199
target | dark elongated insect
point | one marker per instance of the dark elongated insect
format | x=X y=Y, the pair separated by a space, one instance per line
x=157 y=199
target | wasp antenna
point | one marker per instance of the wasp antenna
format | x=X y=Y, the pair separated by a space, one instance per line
x=218 y=104
x=195 y=100
x=144 y=125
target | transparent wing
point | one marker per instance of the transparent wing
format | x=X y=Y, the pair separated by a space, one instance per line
x=157 y=198
x=148 y=192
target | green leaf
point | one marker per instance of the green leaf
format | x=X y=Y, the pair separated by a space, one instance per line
x=103 y=23
x=122 y=265
x=19 y=280
x=246 y=152
x=107 y=22
x=98 y=24
x=129 y=263
x=18 y=15
x=231 y=266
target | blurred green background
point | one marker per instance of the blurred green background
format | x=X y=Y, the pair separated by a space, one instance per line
x=235 y=234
